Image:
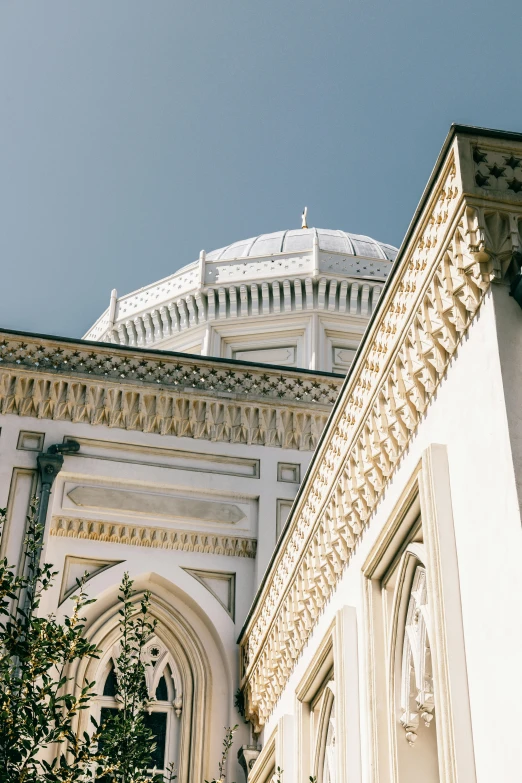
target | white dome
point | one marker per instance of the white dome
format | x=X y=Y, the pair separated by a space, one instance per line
x=298 y=298
x=301 y=239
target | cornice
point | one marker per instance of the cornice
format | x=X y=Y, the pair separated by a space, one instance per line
x=169 y=394
x=209 y=290
x=454 y=251
x=154 y=537
x=344 y=287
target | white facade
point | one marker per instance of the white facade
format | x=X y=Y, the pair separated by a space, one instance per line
x=380 y=629
x=186 y=473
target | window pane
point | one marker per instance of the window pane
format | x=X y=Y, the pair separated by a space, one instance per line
x=111 y=684
x=106 y=712
x=162 y=693
x=157 y=723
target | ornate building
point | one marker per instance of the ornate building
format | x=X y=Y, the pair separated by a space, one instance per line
x=345 y=550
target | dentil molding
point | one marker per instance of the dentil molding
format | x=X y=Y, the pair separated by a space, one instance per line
x=154 y=537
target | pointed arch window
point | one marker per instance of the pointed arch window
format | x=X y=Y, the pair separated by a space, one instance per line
x=323 y=733
x=110 y=686
x=329 y=769
x=162 y=693
x=164 y=688
x=411 y=675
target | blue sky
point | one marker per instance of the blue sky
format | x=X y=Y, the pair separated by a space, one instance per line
x=134 y=133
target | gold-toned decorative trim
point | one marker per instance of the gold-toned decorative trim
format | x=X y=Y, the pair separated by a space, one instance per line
x=200 y=416
x=178 y=373
x=154 y=537
x=444 y=274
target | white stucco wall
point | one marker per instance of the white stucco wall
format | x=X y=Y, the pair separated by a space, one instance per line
x=468 y=415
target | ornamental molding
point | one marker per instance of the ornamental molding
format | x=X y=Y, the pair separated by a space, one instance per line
x=416 y=688
x=153 y=537
x=213 y=306
x=182 y=396
x=212 y=290
x=457 y=247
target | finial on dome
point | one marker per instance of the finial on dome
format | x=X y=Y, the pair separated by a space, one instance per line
x=303 y=218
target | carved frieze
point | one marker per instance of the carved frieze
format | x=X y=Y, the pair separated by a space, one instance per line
x=53 y=379
x=497 y=168
x=443 y=277
x=178 y=373
x=153 y=537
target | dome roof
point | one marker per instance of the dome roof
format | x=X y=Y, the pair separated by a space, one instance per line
x=301 y=240
x=281 y=274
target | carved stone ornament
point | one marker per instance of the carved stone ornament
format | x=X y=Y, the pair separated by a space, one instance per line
x=154 y=537
x=247 y=756
x=134 y=390
x=455 y=251
x=417 y=701
x=158 y=662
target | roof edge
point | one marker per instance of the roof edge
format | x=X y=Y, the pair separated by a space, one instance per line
x=159 y=353
x=455 y=129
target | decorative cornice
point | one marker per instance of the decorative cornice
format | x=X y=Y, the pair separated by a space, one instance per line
x=209 y=290
x=443 y=275
x=343 y=297
x=154 y=537
x=173 y=395
x=179 y=372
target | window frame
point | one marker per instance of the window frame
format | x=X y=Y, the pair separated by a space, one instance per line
x=153 y=676
x=424 y=505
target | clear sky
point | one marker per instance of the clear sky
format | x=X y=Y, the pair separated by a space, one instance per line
x=134 y=133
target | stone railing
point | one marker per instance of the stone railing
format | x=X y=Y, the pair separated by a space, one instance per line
x=166 y=393
x=305 y=264
x=244 y=301
x=211 y=290
x=461 y=239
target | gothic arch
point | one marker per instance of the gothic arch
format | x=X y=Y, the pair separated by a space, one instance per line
x=193 y=669
x=411 y=688
x=325 y=768
x=164 y=685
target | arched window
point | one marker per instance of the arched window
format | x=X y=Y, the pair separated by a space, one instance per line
x=417 y=702
x=329 y=764
x=323 y=734
x=163 y=684
x=412 y=694
x=111 y=684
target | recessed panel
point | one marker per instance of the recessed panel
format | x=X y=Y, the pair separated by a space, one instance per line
x=282 y=512
x=285 y=356
x=30 y=441
x=179 y=459
x=155 y=504
x=289 y=472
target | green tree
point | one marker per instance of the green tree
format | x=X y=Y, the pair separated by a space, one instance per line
x=227 y=744
x=39 y=705
x=37 y=714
